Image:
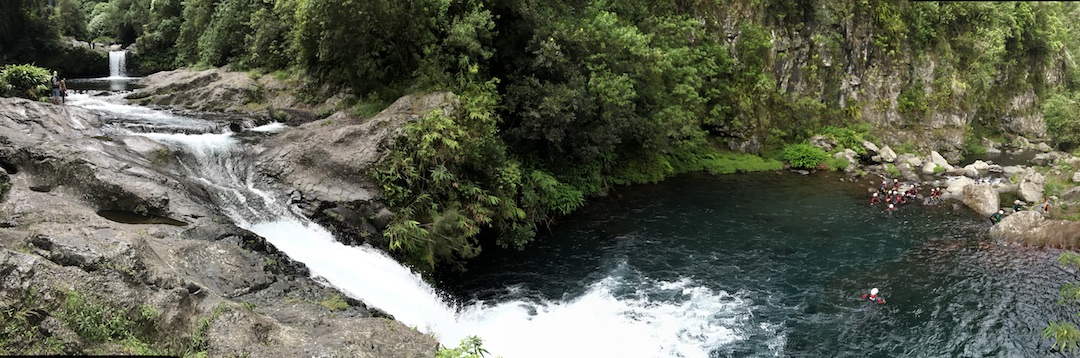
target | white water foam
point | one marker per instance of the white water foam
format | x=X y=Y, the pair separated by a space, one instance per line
x=270 y=128
x=112 y=105
x=616 y=317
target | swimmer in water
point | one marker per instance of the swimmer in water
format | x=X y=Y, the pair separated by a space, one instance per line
x=873 y=296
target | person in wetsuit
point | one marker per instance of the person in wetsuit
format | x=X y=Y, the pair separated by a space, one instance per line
x=996 y=218
x=1017 y=206
x=873 y=296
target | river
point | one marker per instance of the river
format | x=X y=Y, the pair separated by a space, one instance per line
x=761 y=264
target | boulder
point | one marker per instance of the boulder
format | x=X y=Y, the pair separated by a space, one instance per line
x=1030 y=227
x=1031 y=187
x=936 y=158
x=1013 y=170
x=1043 y=147
x=1076 y=177
x=981 y=166
x=912 y=160
x=929 y=168
x=871 y=148
x=956 y=185
x=887 y=154
x=982 y=198
x=994 y=168
x=823 y=142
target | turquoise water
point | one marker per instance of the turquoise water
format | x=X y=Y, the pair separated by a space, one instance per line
x=788 y=256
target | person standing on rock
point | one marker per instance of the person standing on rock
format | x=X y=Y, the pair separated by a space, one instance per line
x=54 y=81
x=1017 y=206
x=63 y=90
x=996 y=218
x=1046 y=205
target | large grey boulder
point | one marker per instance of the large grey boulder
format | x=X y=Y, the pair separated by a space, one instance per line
x=982 y=198
x=1031 y=186
x=956 y=185
x=887 y=154
x=1030 y=227
x=1076 y=177
x=936 y=158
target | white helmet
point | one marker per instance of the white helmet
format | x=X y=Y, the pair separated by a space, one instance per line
x=890 y=205
x=875 y=194
x=1016 y=202
x=1002 y=211
x=873 y=291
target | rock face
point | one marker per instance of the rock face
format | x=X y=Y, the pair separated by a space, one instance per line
x=982 y=198
x=936 y=158
x=327 y=162
x=1031 y=187
x=1030 y=227
x=184 y=261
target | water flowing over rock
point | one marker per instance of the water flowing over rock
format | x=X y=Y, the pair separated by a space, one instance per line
x=1030 y=227
x=1031 y=187
x=178 y=255
x=982 y=198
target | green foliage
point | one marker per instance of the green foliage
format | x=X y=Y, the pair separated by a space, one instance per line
x=21 y=333
x=912 y=100
x=470 y=347
x=1065 y=335
x=892 y=170
x=838 y=163
x=851 y=138
x=973 y=144
x=938 y=169
x=335 y=302
x=803 y=155
x=26 y=81
x=1062 y=115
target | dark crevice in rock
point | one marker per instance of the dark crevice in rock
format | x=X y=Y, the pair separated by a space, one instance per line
x=130 y=217
x=9 y=167
x=41 y=188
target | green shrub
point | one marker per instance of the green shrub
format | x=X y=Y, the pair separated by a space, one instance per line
x=471 y=347
x=846 y=137
x=838 y=163
x=742 y=163
x=26 y=81
x=803 y=155
x=334 y=303
x=891 y=169
x=973 y=144
x=938 y=169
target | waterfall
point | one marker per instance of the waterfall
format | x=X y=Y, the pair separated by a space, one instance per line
x=621 y=315
x=117 y=64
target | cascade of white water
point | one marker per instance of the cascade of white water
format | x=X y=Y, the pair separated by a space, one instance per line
x=622 y=315
x=117 y=64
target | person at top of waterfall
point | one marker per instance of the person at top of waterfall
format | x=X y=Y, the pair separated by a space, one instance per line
x=873 y=296
x=874 y=199
x=996 y=218
x=54 y=81
x=1017 y=206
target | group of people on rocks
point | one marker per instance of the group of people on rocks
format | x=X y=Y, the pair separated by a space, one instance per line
x=891 y=196
x=1018 y=206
